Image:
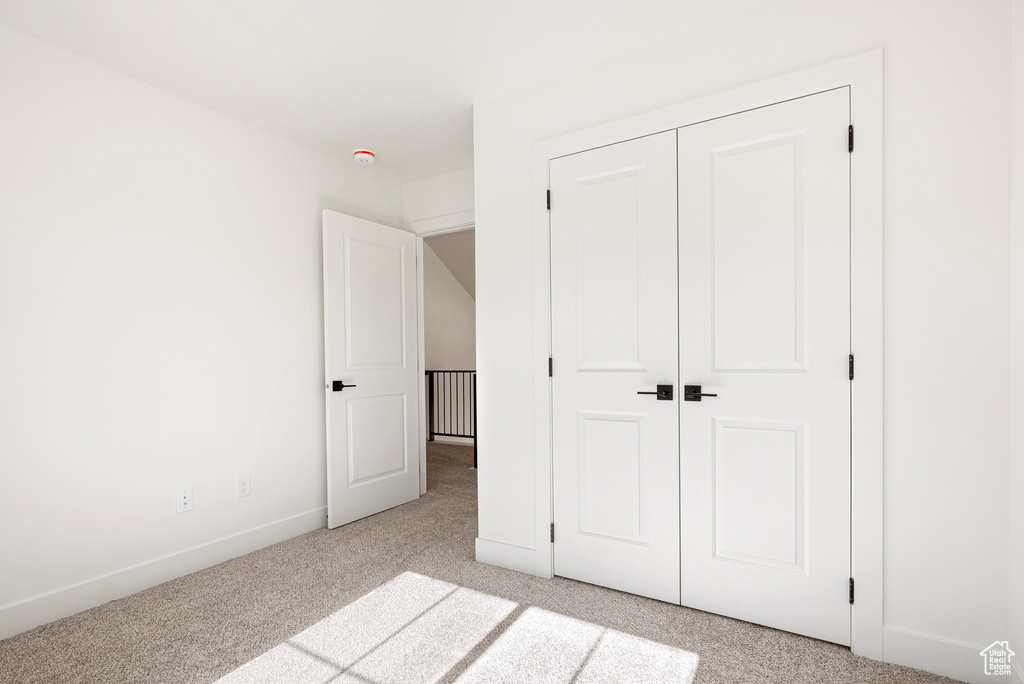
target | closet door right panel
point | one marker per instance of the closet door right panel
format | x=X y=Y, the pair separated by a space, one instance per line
x=764 y=301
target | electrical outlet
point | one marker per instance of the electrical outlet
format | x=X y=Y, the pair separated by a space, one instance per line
x=183 y=499
x=244 y=485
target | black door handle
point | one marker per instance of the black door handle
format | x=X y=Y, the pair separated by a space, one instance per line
x=693 y=393
x=664 y=393
x=339 y=385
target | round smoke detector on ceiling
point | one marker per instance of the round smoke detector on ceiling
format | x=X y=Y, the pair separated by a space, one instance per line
x=363 y=156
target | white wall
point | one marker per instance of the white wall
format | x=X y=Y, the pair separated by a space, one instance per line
x=161 y=308
x=449 y=318
x=439 y=202
x=947 y=350
x=1017 y=377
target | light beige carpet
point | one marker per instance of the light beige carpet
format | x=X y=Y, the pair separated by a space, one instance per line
x=397 y=597
x=419 y=629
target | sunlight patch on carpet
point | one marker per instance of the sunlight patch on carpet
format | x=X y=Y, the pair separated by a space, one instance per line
x=417 y=629
x=541 y=646
x=411 y=629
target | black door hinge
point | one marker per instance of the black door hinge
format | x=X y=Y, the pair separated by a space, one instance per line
x=851 y=591
x=551 y=367
x=851 y=366
x=549 y=192
x=552 y=533
x=851 y=141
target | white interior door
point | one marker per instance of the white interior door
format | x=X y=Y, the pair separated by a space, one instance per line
x=371 y=378
x=764 y=278
x=613 y=307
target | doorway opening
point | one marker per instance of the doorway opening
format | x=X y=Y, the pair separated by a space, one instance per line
x=448 y=270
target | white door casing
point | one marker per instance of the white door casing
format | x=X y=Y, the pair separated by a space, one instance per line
x=370 y=338
x=764 y=269
x=613 y=299
x=863 y=74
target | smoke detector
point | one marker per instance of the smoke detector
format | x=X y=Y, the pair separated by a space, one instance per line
x=363 y=156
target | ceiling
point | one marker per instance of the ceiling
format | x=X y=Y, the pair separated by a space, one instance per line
x=396 y=76
x=457 y=251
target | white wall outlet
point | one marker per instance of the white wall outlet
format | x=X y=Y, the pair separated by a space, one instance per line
x=244 y=485
x=183 y=499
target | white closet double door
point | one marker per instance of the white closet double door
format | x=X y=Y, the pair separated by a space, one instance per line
x=715 y=255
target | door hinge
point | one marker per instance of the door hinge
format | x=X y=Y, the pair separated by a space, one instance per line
x=552 y=533
x=551 y=367
x=549 y=198
x=851 y=591
x=851 y=138
x=851 y=366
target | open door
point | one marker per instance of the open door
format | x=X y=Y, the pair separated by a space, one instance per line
x=371 y=378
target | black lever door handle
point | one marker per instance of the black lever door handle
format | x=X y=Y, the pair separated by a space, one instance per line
x=339 y=385
x=693 y=393
x=664 y=393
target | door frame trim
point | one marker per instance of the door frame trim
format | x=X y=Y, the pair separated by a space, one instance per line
x=864 y=75
x=452 y=223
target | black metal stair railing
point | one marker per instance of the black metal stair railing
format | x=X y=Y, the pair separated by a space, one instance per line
x=451 y=405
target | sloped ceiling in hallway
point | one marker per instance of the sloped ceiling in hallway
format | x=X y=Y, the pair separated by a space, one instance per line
x=457 y=251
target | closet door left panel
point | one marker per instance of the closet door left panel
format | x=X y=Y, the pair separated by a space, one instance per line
x=614 y=335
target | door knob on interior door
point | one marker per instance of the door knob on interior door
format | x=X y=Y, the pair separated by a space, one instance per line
x=339 y=385
x=664 y=393
x=693 y=393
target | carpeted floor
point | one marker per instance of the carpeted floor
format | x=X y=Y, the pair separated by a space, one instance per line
x=285 y=606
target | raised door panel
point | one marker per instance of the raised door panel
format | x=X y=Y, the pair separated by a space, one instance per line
x=757 y=194
x=613 y=476
x=376 y=439
x=611 y=292
x=759 y=493
x=374 y=305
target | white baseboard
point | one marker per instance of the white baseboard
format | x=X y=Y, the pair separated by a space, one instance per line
x=454 y=440
x=940 y=656
x=506 y=556
x=38 y=610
